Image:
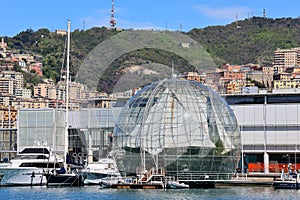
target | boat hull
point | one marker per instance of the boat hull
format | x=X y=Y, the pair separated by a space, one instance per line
x=96 y=178
x=62 y=180
x=104 y=169
x=286 y=185
x=93 y=178
x=22 y=176
x=176 y=185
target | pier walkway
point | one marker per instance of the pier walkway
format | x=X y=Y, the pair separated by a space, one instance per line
x=207 y=180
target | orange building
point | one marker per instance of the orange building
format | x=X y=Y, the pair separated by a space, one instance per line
x=193 y=76
x=233 y=67
x=36 y=69
x=236 y=75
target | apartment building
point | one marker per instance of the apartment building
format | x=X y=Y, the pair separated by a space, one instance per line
x=284 y=76
x=18 y=76
x=194 y=76
x=75 y=91
x=30 y=103
x=8 y=117
x=287 y=57
x=7 y=86
x=236 y=86
x=23 y=93
x=235 y=75
x=286 y=84
x=41 y=90
x=271 y=70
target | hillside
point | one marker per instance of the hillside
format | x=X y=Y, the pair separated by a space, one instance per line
x=252 y=41
x=249 y=41
x=52 y=47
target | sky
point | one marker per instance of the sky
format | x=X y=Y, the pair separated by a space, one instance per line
x=17 y=16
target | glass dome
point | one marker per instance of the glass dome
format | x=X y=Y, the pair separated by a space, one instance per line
x=179 y=125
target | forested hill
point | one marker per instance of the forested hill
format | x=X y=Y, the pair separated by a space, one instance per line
x=247 y=41
x=52 y=47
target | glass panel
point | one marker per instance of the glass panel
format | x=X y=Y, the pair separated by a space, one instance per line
x=178 y=125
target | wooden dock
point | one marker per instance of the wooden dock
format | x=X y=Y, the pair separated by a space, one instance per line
x=215 y=181
x=158 y=181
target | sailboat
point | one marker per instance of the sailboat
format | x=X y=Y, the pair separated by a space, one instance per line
x=65 y=177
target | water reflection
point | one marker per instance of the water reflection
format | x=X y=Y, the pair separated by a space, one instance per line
x=232 y=193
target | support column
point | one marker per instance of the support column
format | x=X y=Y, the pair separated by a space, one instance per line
x=266 y=163
x=90 y=152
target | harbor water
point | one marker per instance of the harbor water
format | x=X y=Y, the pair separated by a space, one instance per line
x=94 y=192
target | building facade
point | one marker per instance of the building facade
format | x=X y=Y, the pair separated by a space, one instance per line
x=269 y=124
x=270 y=130
x=287 y=57
x=18 y=76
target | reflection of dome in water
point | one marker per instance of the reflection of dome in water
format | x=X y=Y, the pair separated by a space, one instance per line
x=179 y=125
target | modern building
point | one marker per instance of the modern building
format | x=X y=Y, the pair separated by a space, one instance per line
x=179 y=126
x=169 y=119
x=270 y=130
x=90 y=131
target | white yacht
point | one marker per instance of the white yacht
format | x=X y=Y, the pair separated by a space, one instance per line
x=28 y=167
x=176 y=185
x=104 y=169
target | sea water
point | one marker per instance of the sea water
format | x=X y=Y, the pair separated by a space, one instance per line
x=94 y=192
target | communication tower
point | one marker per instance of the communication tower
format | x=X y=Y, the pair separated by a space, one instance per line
x=236 y=20
x=112 y=18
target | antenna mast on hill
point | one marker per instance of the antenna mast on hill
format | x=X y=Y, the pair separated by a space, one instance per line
x=112 y=18
x=264 y=13
x=236 y=20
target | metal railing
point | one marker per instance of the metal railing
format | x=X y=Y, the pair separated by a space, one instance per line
x=204 y=176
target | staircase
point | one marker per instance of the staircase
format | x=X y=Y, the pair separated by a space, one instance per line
x=149 y=175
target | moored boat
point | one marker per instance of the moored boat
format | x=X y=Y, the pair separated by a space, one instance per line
x=176 y=185
x=286 y=184
x=28 y=167
x=292 y=181
x=109 y=181
x=103 y=170
x=64 y=179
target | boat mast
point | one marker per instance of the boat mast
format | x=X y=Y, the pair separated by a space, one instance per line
x=67 y=97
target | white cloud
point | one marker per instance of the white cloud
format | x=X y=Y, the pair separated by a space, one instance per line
x=223 y=13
